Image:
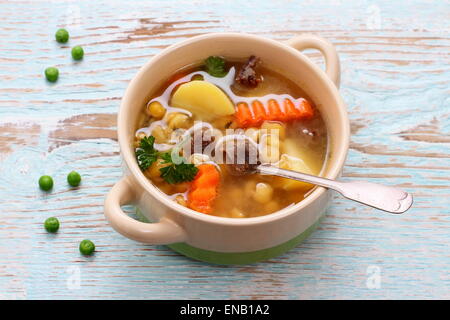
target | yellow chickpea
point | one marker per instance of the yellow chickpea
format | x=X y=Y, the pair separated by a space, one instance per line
x=153 y=172
x=263 y=193
x=141 y=135
x=137 y=139
x=156 y=110
x=178 y=120
x=160 y=134
x=168 y=132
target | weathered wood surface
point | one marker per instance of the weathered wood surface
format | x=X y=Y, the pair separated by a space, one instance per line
x=395 y=80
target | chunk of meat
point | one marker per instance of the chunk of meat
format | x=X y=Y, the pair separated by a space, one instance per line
x=241 y=156
x=200 y=139
x=247 y=75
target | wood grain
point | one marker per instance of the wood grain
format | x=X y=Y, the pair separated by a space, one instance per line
x=395 y=80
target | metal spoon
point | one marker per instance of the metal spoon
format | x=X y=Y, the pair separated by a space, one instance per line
x=379 y=196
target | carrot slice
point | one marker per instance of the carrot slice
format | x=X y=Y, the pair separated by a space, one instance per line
x=305 y=108
x=206 y=177
x=254 y=115
x=259 y=113
x=244 y=117
x=203 y=195
x=291 y=110
x=275 y=112
x=203 y=189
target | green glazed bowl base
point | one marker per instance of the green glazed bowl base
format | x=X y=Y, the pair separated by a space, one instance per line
x=236 y=258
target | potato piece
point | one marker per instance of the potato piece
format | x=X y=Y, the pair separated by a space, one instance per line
x=294 y=149
x=203 y=99
x=294 y=164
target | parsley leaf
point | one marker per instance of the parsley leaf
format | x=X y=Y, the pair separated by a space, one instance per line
x=146 y=154
x=215 y=66
x=176 y=173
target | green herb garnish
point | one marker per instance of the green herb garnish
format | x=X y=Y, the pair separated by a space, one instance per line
x=176 y=173
x=215 y=66
x=146 y=154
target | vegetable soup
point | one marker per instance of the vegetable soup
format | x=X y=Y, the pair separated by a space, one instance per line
x=188 y=126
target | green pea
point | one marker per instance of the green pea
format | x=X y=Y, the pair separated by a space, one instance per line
x=77 y=53
x=52 y=74
x=74 y=178
x=46 y=183
x=51 y=224
x=87 y=247
x=62 y=36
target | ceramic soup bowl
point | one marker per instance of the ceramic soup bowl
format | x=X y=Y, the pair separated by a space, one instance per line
x=211 y=238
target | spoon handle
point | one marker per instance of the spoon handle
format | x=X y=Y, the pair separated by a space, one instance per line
x=379 y=196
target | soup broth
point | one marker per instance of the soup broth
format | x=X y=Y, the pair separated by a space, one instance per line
x=231 y=97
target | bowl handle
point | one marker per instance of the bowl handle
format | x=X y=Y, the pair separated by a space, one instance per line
x=307 y=41
x=165 y=231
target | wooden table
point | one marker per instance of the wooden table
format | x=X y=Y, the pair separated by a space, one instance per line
x=395 y=81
